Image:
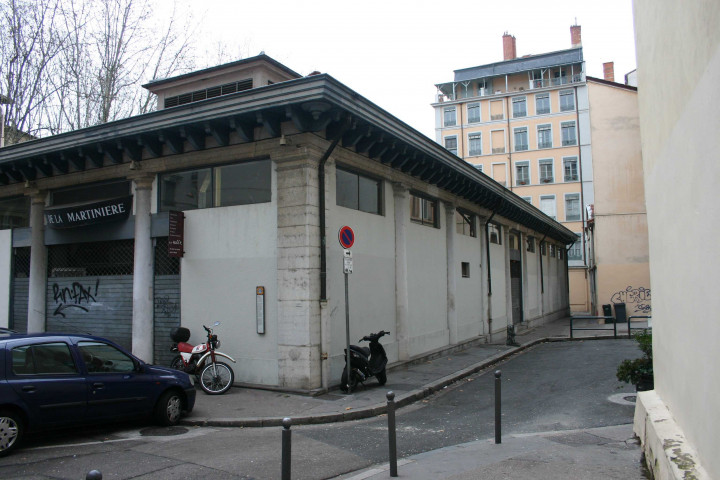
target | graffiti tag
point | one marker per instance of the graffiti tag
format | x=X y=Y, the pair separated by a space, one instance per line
x=166 y=306
x=73 y=296
x=632 y=295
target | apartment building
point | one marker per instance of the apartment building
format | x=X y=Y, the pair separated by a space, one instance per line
x=527 y=123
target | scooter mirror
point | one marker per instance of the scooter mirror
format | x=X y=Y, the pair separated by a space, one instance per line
x=216 y=324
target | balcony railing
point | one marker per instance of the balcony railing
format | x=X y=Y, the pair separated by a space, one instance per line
x=554 y=82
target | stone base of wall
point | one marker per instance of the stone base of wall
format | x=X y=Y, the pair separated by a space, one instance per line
x=668 y=454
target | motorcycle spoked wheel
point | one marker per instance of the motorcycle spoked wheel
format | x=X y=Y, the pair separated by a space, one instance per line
x=344 y=381
x=217 y=380
x=177 y=363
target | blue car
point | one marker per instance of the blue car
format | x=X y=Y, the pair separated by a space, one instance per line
x=53 y=380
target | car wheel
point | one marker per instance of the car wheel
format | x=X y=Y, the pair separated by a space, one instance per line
x=11 y=431
x=169 y=408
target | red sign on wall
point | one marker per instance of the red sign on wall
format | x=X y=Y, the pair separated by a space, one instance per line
x=176 y=235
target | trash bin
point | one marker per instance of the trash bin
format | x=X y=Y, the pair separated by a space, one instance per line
x=607 y=312
x=620 y=315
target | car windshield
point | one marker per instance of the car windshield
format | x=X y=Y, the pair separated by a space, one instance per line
x=103 y=358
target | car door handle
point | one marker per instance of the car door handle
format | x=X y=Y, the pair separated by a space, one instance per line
x=98 y=386
x=28 y=388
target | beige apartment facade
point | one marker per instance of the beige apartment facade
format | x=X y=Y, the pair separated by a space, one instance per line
x=528 y=124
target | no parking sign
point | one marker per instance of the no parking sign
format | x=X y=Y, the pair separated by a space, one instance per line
x=346 y=237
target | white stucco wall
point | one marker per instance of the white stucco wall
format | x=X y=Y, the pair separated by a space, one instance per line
x=678 y=97
x=371 y=286
x=469 y=297
x=228 y=252
x=5 y=272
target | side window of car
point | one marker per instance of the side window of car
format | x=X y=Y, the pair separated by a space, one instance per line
x=45 y=358
x=103 y=358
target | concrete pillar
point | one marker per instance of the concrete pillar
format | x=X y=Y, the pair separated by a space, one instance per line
x=299 y=319
x=37 y=300
x=401 y=196
x=451 y=272
x=142 y=321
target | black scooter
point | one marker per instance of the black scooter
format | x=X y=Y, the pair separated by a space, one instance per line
x=365 y=362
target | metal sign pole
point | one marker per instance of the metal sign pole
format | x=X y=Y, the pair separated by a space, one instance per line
x=347 y=332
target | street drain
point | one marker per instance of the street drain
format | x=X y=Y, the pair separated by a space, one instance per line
x=623 y=398
x=162 y=431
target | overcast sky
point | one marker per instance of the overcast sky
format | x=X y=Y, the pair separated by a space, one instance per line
x=394 y=51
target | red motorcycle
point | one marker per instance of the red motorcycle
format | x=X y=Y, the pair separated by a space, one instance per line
x=201 y=360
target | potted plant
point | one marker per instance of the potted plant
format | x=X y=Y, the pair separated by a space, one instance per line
x=639 y=371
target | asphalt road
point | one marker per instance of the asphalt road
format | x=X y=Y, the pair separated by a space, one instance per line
x=551 y=387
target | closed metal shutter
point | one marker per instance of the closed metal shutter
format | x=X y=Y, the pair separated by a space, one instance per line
x=20 y=289
x=516 y=290
x=167 y=301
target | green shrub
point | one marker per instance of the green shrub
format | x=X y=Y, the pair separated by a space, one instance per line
x=639 y=370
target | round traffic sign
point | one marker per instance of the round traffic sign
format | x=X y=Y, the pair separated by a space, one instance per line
x=346 y=237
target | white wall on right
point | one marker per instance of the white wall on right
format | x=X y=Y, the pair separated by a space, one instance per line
x=678 y=54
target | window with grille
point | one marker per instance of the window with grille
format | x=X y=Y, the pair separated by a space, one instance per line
x=465 y=223
x=494 y=233
x=423 y=210
x=521 y=139
x=531 y=244
x=475 y=143
x=450 y=117
x=519 y=107
x=451 y=144
x=236 y=184
x=522 y=173
x=546 y=171
x=572 y=207
x=567 y=100
x=473 y=112
x=570 y=167
x=93 y=259
x=211 y=92
x=14 y=212
x=568 y=133
x=542 y=103
x=544 y=136
x=356 y=191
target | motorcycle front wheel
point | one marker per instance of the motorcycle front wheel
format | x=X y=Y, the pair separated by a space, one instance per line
x=344 y=381
x=177 y=363
x=216 y=378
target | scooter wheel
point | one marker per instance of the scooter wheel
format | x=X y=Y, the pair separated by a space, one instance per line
x=216 y=378
x=381 y=377
x=177 y=363
x=344 y=381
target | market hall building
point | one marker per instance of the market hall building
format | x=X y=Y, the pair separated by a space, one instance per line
x=225 y=205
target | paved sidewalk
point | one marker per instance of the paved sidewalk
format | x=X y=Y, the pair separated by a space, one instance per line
x=246 y=407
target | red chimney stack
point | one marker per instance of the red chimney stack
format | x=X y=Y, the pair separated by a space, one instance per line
x=609 y=71
x=575 y=36
x=509 y=49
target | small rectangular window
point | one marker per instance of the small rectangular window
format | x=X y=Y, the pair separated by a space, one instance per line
x=546 y=171
x=543 y=248
x=544 y=133
x=568 y=134
x=521 y=139
x=547 y=205
x=496 y=110
x=552 y=250
x=519 y=107
x=522 y=173
x=494 y=233
x=450 y=117
x=575 y=252
x=473 y=112
x=567 y=100
x=572 y=207
x=465 y=268
x=570 y=169
x=465 y=223
x=451 y=145
x=359 y=192
x=542 y=103
x=560 y=253
x=475 y=143
x=423 y=210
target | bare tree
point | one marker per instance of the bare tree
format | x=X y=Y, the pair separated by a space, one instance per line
x=30 y=43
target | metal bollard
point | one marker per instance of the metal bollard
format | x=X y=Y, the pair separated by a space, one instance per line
x=93 y=475
x=391 y=433
x=286 y=448
x=498 y=438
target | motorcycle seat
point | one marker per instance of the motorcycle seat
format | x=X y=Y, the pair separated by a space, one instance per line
x=362 y=350
x=184 y=347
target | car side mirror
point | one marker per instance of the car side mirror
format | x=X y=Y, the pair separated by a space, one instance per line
x=139 y=367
